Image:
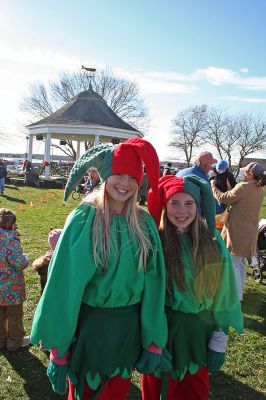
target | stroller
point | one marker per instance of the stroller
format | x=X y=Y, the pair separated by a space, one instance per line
x=260 y=265
x=78 y=192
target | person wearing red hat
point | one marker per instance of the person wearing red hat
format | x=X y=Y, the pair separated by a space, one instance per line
x=201 y=297
x=202 y=166
x=102 y=311
x=240 y=231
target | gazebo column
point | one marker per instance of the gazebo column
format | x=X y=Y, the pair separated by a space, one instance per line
x=78 y=150
x=30 y=148
x=96 y=140
x=47 y=154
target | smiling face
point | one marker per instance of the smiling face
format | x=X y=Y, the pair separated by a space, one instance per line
x=181 y=210
x=120 y=188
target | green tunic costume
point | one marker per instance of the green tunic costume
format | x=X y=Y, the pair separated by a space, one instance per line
x=104 y=318
x=191 y=322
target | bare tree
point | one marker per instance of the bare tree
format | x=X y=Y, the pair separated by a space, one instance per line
x=121 y=95
x=6 y=137
x=68 y=85
x=187 y=130
x=252 y=136
x=123 y=98
x=235 y=137
x=38 y=104
x=221 y=132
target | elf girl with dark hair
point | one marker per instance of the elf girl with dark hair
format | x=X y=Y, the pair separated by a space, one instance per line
x=201 y=296
x=102 y=310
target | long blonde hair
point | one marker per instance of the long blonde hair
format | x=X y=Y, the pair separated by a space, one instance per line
x=205 y=255
x=102 y=240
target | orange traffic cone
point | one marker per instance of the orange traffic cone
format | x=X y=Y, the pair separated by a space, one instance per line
x=21 y=207
x=41 y=200
x=55 y=194
x=48 y=195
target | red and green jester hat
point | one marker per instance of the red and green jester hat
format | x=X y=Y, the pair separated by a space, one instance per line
x=194 y=186
x=125 y=158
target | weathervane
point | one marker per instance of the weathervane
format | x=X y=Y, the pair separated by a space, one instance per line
x=91 y=74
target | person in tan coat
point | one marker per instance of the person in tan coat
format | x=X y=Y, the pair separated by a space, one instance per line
x=240 y=231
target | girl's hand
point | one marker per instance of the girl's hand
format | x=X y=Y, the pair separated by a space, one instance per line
x=57 y=375
x=215 y=360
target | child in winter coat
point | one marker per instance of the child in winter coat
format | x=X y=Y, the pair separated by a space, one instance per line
x=224 y=180
x=12 y=284
x=41 y=264
x=102 y=311
x=201 y=296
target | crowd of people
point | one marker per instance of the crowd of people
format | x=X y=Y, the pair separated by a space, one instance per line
x=128 y=288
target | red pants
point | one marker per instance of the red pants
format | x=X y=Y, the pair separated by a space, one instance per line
x=116 y=388
x=192 y=387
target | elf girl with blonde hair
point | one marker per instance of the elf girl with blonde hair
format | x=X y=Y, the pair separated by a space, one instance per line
x=201 y=296
x=102 y=310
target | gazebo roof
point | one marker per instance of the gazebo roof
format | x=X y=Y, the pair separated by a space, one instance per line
x=87 y=107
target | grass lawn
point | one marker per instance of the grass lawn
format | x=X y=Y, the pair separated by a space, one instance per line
x=23 y=374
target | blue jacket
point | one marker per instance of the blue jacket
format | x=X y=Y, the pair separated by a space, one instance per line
x=220 y=208
x=193 y=171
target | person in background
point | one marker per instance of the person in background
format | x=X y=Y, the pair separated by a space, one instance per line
x=202 y=165
x=41 y=264
x=240 y=231
x=224 y=180
x=3 y=174
x=93 y=180
x=27 y=166
x=201 y=296
x=12 y=284
x=167 y=169
x=143 y=189
x=102 y=311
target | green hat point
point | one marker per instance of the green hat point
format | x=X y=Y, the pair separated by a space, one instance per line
x=202 y=193
x=99 y=157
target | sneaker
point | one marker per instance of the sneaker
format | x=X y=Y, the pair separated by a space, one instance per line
x=25 y=341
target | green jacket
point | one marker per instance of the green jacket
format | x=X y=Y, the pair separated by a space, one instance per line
x=225 y=306
x=74 y=278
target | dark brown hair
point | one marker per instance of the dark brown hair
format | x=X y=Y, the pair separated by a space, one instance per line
x=260 y=179
x=205 y=256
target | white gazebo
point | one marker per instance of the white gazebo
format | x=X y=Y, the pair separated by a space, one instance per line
x=86 y=117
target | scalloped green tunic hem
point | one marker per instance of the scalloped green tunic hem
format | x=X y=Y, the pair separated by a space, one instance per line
x=115 y=349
